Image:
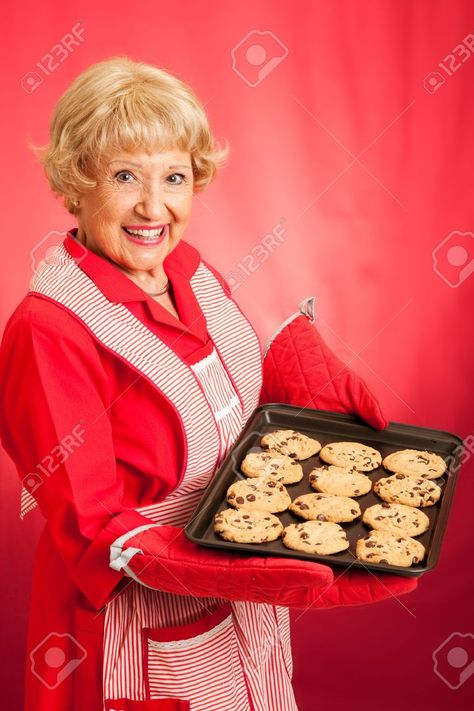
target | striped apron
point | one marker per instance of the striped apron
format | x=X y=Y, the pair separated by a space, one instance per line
x=216 y=655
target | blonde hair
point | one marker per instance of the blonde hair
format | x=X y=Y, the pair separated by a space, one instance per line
x=120 y=104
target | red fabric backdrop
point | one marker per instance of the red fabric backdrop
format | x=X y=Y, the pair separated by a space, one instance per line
x=351 y=131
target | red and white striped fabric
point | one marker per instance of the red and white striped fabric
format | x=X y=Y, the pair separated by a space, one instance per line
x=219 y=656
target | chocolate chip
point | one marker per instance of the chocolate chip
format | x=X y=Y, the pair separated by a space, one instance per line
x=272 y=484
x=370 y=544
x=353 y=511
x=250 y=497
x=356 y=491
x=399 y=476
x=370 y=555
x=379 y=518
x=382 y=560
x=386 y=506
x=414 y=559
x=246 y=516
x=240 y=500
x=301 y=505
x=304 y=535
x=321 y=517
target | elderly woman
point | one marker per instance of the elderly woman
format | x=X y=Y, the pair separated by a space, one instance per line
x=128 y=372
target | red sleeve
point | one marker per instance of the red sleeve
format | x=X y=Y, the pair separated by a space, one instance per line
x=54 y=401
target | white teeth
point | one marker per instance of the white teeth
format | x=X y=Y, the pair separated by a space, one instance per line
x=150 y=234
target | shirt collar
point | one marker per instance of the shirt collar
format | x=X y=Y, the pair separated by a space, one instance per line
x=114 y=284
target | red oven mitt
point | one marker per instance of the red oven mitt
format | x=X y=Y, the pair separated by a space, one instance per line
x=161 y=557
x=299 y=369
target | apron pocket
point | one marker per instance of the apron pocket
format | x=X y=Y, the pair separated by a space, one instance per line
x=199 y=662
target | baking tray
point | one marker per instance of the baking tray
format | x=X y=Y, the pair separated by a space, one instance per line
x=329 y=427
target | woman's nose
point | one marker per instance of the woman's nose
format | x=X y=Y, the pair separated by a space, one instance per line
x=151 y=204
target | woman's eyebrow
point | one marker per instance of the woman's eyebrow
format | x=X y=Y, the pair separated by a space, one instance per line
x=138 y=165
x=129 y=162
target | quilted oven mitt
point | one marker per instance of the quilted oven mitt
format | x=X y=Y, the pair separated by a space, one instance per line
x=299 y=369
x=161 y=557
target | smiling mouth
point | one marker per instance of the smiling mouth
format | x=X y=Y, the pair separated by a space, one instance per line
x=145 y=233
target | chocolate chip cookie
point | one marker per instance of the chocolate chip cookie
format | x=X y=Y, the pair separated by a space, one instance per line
x=325 y=507
x=247 y=526
x=264 y=494
x=413 y=462
x=351 y=454
x=384 y=547
x=341 y=481
x=408 y=490
x=396 y=519
x=320 y=537
x=283 y=468
x=293 y=444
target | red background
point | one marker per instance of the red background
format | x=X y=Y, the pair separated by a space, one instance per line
x=370 y=171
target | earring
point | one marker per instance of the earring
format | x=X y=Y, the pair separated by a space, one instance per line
x=75 y=203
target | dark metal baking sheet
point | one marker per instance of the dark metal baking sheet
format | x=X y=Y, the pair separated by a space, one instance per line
x=329 y=427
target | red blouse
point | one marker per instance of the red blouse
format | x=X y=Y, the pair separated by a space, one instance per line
x=57 y=382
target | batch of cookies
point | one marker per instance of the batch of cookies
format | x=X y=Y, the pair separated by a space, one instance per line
x=395 y=522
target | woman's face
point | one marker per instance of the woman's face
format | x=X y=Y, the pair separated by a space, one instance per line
x=138 y=191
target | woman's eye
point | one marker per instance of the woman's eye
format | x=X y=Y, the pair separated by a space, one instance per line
x=182 y=178
x=121 y=173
